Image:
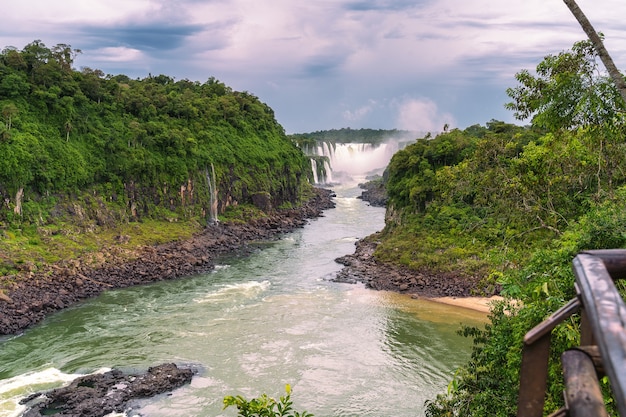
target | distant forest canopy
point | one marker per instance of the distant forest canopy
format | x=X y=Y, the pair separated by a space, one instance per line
x=348 y=135
x=143 y=144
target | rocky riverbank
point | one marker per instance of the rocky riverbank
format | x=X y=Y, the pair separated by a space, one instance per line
x=361 y=266
x=374 y=192
x=33 y=296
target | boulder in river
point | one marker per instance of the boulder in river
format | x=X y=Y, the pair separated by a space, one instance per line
x=97 y=395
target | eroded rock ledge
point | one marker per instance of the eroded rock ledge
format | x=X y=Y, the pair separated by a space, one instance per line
x=363 y=267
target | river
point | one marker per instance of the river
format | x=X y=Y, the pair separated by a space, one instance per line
x=253 y=325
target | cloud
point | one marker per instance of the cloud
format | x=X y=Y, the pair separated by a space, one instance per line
x=364 y=6
x=117 y=54
x=325 y=64
x=155 y=36
x=358 y=114
x=421 y=115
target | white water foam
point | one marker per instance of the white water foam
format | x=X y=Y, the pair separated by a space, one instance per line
x=12 y=390
x=220 y=267
x=249 y=289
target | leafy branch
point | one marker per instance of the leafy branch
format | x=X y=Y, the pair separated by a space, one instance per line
x=265 y=406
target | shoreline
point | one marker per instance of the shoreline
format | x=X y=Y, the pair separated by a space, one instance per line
x=449 y=288
x=481 y=304
x=445 y=287
x=34 y=296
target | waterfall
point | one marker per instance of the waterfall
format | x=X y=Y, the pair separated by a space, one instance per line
x=314 y=169
x=328 y=170
x=346 y=162
x=212 y=186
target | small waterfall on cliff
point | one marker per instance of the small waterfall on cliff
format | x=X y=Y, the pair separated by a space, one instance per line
x=342 y=162
x=314 y=169
x=212 y=187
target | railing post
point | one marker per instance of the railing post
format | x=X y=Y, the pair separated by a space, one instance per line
x=583 y=396
x=533 y=377
x=535 y=355
x=606 y=312
x=603 y=343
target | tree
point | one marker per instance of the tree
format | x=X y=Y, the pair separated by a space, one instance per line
x=13 y=85
x=8 y=112
x=64 y=54
x=596 y=40
x=567 y=92
x=68 y=128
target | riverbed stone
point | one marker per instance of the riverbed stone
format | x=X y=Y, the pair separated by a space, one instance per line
x=362 y=266
x=97 y=395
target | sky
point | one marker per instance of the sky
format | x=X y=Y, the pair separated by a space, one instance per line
x=327 y=64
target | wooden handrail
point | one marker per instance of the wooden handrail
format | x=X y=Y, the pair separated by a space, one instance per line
x=603 y=334
x=606 y=312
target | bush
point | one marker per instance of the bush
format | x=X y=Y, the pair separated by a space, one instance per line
x=265 y=406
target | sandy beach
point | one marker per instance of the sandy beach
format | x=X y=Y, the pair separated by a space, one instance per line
x=481 y=304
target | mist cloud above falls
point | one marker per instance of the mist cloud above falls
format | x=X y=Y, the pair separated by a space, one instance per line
x=422 y=115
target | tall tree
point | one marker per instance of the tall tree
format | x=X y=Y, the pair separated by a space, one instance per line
x=596 y=40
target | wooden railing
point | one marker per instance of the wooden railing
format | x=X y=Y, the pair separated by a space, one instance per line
x=603 y=343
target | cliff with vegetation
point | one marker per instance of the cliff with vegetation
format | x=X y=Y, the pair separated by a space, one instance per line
x=510 y=207
x=84 y=153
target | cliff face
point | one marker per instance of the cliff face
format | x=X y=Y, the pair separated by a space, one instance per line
x=86 y=155
x=28 y=296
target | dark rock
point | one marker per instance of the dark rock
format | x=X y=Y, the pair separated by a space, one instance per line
x=97 y=395
x=262 y=201
x=363 y=267
x=374 y=192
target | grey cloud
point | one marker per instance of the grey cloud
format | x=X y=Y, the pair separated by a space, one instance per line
x=152 y=36
x=395 y=5
x=322 y=65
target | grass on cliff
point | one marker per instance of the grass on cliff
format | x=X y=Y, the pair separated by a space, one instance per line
x=30 y=247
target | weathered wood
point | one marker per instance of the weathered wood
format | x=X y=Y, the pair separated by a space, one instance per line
x=614 y=261
x=596 y=357
x=606 y=312
x=534 y=377
x=586 y=332
x=535 y=355
x=551 y=322
x=582 y=390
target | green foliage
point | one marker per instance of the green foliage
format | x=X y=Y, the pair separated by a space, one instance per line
x=488 y=384
x=456 y=202
x=142 y=145
x=265 y=406
x=567 y=92
x=529 y=200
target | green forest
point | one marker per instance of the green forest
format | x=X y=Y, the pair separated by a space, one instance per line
x=111 y=150
x=347 y=135
x=513 y=206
